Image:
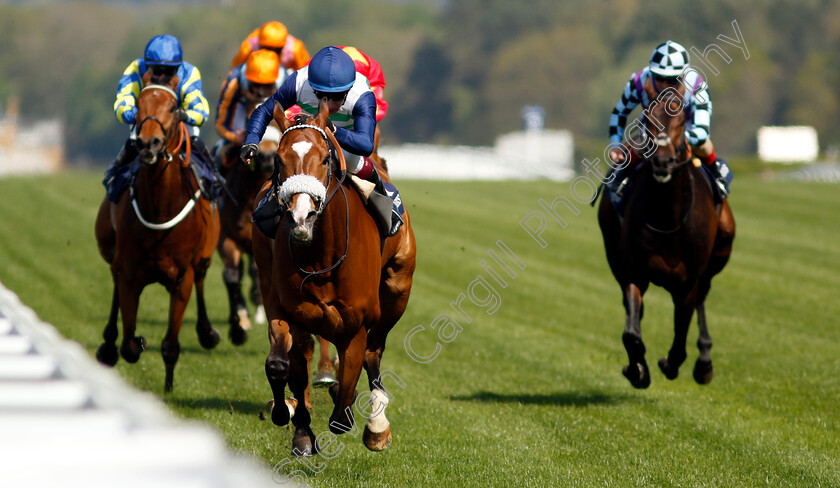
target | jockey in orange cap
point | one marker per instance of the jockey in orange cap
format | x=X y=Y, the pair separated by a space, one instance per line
x=247 y=85
x=371 y=69
x=275 y=37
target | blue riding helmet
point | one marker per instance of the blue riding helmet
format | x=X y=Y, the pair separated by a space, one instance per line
x=163 y=50
x=332 y=70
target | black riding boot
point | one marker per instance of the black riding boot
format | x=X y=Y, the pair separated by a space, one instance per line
x=385 y=206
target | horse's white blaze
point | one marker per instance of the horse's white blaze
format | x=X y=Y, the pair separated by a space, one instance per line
x=303 y=206
x=301 y=148
x=378 y=403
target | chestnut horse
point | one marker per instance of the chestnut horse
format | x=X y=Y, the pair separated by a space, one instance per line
x=327 y=272
x=672 y=234
x=244 y=182
x=161 y=231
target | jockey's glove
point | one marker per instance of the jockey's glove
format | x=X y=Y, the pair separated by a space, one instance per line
x=248 y=152
x=181 y=116
x=330 y=126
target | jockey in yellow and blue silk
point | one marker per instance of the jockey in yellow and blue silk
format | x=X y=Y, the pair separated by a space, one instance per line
x=275 y=37
x=162 y=59
x=332 y=75
x=668 y=68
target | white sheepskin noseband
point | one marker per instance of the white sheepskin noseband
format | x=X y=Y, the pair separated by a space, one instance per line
x=303 y=184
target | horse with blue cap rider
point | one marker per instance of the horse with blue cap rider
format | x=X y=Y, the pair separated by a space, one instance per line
x=162 y=60
x=332 y=75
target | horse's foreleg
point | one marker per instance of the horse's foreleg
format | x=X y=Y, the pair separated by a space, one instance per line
x=208 y=337
x=170 y=348
x=683 y=311
x=107 y=353
x=277 y=367
x=637 y=371
x=325 y=376
x=232 y=275
x=129 y=299
x=703 y=370
x=350 y=359
x=303 y=442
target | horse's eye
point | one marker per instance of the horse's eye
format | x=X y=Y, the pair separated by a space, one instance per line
x=326 y=160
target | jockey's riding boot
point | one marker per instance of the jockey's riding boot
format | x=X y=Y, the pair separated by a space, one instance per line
x=386 y=205
x=619 y=182
x=723 y=176
x=127 y=153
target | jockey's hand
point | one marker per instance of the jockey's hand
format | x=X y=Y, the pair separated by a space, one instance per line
x=330 y=126
x=181 y=116
x=248 y=152
x=240 y=138
x=616 y=156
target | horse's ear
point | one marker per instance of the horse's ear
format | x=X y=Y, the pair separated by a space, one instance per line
x=323 y=113
x=280 y=117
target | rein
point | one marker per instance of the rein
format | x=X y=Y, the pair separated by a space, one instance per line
x=183 y=139
x=330 y=194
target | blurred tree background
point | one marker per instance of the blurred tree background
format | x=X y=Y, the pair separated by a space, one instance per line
x=458 y=72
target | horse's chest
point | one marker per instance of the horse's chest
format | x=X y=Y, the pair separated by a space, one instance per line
x=664 y=271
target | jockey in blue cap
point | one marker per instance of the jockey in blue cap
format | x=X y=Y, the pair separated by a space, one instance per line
x=162 y=59
x=331 y=75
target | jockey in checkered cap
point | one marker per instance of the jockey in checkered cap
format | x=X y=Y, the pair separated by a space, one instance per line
x=668 y=68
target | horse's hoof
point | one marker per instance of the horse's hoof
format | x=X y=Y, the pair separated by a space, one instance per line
x=377 y=442
x=303 y=443
x=703 y=372
x=667 y=370
x=107 y=354
x=237 y=335
x=281 y=416
x=209 y=338
x=130 y=351
x=244 y=321
x=637 y=374
x=324 y=379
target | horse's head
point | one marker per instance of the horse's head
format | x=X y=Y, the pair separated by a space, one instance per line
x=665 y=120
x=156 y=120
x=264 y=160
x=305 y=167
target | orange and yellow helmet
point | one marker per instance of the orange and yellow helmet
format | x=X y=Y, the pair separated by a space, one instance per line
x=273 y=35
x=262 y=66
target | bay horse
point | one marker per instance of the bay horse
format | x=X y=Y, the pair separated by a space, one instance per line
x=672 y=234
x=327 y=272
x=243 y=183
x=161 y=231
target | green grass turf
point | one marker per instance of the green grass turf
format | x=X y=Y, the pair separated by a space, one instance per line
x=530 y=395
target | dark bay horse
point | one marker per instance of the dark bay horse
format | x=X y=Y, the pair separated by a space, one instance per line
x=672 y=234
x=243 y=182
x=327 y=272
x=161 y=231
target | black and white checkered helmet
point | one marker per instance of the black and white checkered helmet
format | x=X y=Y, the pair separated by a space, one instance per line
x=669 y=59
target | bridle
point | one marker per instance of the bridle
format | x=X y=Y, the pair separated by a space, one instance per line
x=339 y=180
x=167 y=156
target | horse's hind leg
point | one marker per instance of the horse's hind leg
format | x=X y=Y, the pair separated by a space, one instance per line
x=107 y=352
x=636 y=371
x=325 y=376
x=683 y=311
x=208 y=336
x=377 y=435
x=703 y=370
x=256 y=296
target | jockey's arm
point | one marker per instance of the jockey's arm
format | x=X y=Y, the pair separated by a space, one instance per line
x=618 y=118
x=193 y=103
x=285 y=96
x=360 y=140
x=128 y=89
x=225 y=107
x=697 y=131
